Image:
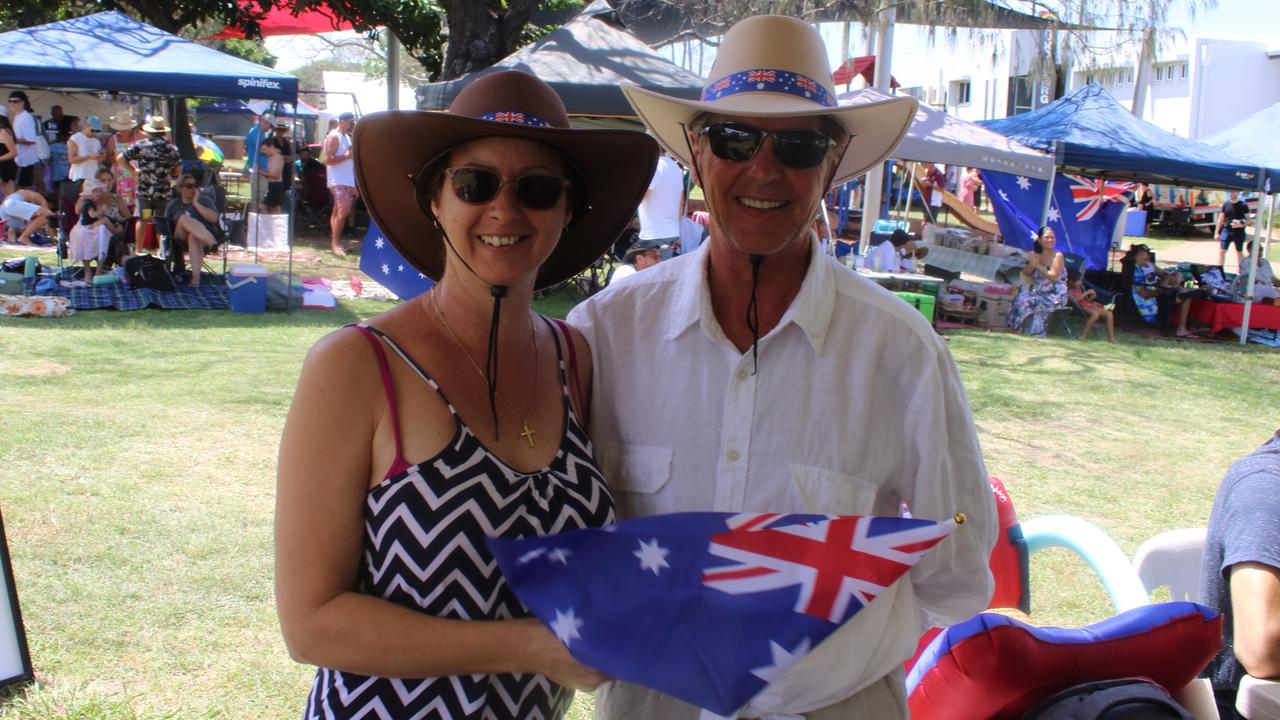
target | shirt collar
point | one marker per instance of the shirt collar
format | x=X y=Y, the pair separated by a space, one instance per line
x=810 y=310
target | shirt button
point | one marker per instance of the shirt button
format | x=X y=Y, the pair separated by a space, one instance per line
x=742 y=375
x=733 y=456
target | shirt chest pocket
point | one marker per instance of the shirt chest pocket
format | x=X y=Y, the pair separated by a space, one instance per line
x=636 y=469
x=827 y=492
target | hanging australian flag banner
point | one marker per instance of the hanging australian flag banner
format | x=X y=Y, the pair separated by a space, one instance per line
x=709 y=607
x=1083 y=212
x=380 y=261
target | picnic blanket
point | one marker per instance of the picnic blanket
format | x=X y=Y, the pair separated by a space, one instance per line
x=211 y=295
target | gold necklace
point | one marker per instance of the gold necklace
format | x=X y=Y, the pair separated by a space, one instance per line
x=527 y=433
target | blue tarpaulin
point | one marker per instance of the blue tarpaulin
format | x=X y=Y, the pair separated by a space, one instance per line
x=1095 y=135
x=112 y=51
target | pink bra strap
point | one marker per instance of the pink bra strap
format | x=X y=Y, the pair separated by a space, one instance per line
x=399 y=464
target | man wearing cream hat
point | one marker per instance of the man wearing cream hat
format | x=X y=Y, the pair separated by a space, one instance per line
x=794 y=384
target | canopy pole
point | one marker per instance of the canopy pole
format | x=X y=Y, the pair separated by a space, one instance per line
x=1253 y=272
x=393 y=71
x=1266 y=243
x=908 y=184
x=874 y=180
x=1048 y=200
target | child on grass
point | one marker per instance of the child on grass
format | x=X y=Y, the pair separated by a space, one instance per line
x=1087 y=301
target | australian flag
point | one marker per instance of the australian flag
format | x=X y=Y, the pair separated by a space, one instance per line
x=380 y=261
x=1083 y=212
x=709 y=607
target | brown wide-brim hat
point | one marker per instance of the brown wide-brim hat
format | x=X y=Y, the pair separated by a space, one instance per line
x=771 y=66
x=392 y=148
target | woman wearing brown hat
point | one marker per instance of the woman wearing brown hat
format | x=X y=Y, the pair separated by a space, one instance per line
x=454 y=416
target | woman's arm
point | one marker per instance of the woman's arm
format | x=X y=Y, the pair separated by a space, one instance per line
x=321 y=489
x=7 y=138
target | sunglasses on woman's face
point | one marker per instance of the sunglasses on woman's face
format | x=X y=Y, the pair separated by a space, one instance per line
x=477 y=186
x=800 y=149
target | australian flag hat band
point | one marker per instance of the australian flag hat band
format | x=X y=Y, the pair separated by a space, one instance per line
x=515 y=118
x=768 y=80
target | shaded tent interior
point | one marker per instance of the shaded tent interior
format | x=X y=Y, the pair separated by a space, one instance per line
x=586 y=61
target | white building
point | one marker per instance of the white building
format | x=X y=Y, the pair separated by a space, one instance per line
x=1197 y=85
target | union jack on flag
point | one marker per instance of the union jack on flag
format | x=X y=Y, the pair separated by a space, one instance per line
x=720 y=84
x=1093 y=192
x=756 y=76
x=839 y=564
x=709 y=607
x=807 y=84
x=509 y=117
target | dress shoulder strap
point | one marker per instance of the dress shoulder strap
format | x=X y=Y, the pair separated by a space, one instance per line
x=398 y=464
x=576 y=387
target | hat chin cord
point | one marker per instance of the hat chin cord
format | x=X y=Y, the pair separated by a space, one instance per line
x=753 y=305
x=497 y=292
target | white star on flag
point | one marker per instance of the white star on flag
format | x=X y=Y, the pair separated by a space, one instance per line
x=559 y=555
x=1054 y=215
x=1024 y=183
x=400 y=268
x=781 y=660
x=531 y=556
x=652 y=556
x=421 y=276
x=1004 y=196
x=386 y=269
x=566 y=626
x=379 y=242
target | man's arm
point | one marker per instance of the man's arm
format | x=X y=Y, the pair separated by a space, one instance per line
x=73 y=153
x=206 y=211
x=948 y=476
x=1255 y=606
x=24 y=133
x=331 y=149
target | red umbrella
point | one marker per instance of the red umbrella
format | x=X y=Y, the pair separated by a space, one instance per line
x=864 y=66
x=282 y=21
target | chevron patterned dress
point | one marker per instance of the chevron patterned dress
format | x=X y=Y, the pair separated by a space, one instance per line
x=424 y=548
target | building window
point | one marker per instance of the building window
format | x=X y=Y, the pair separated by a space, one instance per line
x=1184 y=71
x=960 y=91
x=1159 y=73
x=1021 y=93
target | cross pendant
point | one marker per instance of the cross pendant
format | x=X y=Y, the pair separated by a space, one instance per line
x=527 y=434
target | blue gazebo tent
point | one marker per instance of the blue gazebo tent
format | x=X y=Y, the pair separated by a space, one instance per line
x=110 y=51
x=1094 y=135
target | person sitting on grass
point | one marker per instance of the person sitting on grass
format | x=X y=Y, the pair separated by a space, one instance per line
x=1264 y=282
x=1087 y=301
x=193 y=220
x=1044 y=286
x=24 y=212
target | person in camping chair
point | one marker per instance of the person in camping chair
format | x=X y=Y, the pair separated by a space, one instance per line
x=193 y=221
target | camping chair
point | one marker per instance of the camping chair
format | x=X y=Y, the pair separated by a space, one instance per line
x=175 y=250
x=314 y=202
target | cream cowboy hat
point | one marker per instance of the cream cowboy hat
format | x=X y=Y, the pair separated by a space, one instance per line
x=156 y=124
x=776 y=66
x=122 y=120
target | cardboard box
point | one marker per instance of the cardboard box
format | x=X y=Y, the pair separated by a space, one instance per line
x=993 y=310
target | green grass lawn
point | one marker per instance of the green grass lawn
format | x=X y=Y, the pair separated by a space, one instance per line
x=137 y=471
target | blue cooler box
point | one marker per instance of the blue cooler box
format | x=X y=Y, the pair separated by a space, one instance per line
x=247 y=288
x=1135 y=223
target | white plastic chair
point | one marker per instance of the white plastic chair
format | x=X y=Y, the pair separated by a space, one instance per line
x=1172 y=559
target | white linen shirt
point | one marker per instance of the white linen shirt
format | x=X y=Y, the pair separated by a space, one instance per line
x=857 y=406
